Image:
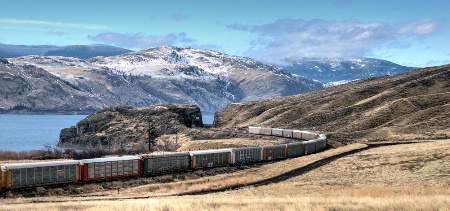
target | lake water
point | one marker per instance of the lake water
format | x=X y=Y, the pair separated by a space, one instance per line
x=28 y=132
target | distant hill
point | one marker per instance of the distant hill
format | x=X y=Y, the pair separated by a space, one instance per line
x=332 y=71
x=209 y=79
x=77 y=51
x=409 y=106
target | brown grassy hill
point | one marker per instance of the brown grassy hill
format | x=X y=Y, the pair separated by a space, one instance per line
x=414 y=105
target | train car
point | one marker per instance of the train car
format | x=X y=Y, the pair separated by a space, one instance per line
x=163 y=163
x=306 y=135
x=245 y=155
x=273 y=152
x=295 y=149
x=254 y=130
x=297 y=134
x=109 y=168
x=287 y=133
x=265 y=131
x=210 y=158
x=39 y=173
x=277 y=132
x=310 y=146
x=323 y=142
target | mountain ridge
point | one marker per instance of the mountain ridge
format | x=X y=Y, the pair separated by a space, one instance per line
x=338 y=70
x=155 y=75
x=78 y=51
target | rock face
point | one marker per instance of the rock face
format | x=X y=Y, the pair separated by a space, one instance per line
x=129 y=127
x=409 y=106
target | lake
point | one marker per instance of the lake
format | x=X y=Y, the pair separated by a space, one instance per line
x=27 y=132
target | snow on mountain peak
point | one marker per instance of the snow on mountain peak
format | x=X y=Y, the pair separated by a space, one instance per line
x=151 y=61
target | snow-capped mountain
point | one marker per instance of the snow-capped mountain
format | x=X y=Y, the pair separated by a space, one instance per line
x=166 y=74
x=338 y=70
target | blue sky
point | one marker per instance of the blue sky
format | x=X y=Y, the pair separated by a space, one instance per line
x=407 y=32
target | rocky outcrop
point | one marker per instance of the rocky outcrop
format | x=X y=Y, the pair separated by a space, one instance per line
x=131 y=128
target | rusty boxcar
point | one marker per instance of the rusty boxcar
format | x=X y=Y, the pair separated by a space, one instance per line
x=108 y=168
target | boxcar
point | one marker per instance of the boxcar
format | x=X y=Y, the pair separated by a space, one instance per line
x=306 y=135
x=277 y=132
x=108 y=168
x=210 y=158
x=40 y=173
x=162 y=163
x=297 y=134
x=310 y=146
x=254 y=130
x=287 y=133
x=274 y=152
x=295 y=149
x=321 y=143
x=245 y=155
x=265 y=131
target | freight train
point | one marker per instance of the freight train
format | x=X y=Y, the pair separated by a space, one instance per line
x=23 y=175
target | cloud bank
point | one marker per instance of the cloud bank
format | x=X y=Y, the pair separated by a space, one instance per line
x=140 y=41
x=287 y=38
x=38 y=23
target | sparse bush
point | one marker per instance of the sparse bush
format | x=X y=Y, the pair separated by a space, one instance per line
x=40 y=191
x=18 y=155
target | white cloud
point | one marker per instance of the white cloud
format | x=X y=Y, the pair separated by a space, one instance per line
x=38 y=23
x=421 y=27
x=139 y=41
x=286 y=38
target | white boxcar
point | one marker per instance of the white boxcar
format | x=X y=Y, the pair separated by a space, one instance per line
x=254 y=130
x=277 y=132
x=287 y=133
x=265 y=131
x=306 y=135
x=297 y=134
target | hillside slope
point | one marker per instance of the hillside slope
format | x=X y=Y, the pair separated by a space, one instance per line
x=413 y=105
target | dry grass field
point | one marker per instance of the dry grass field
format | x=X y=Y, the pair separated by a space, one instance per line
x=413 y=176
